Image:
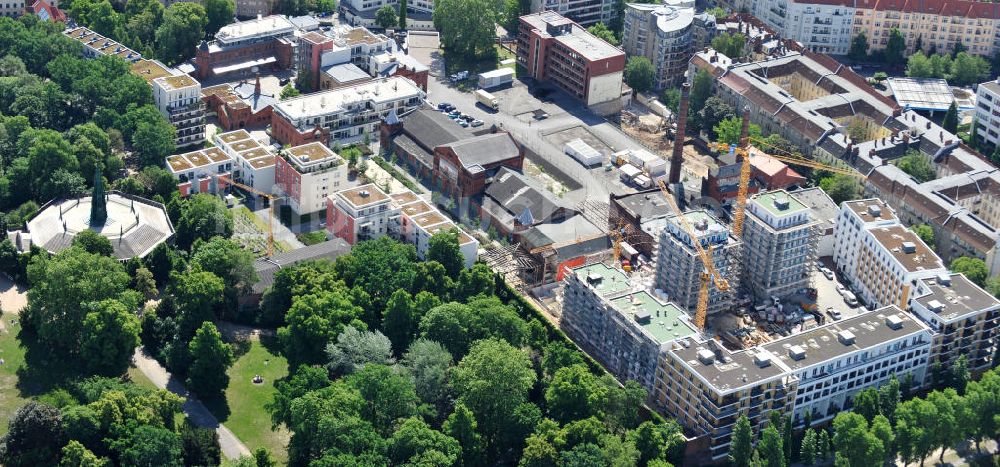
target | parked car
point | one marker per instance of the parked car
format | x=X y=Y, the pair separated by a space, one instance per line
x=468 y=117
x=446 y=107
x=841 y=289
x=834 y=313
x=462 y=123
x=826 y=272
x=476 y=123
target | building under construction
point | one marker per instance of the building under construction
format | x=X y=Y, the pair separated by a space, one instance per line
x=779 y=245
x=679 y=269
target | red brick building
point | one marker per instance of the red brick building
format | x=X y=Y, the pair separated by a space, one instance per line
x=461 y=168
x=555 y=49
x=240 y=106
x=766 y=174
x=241 y=46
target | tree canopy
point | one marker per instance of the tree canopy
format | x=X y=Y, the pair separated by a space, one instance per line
x=640 y=74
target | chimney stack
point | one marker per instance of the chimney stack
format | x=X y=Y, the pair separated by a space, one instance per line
x=678 y=155
x=256 y=86
x=744 y=131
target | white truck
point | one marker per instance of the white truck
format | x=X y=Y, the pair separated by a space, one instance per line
x=498 y=77
x=487 y=99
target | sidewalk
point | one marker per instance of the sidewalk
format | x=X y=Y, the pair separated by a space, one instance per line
x=232 y=447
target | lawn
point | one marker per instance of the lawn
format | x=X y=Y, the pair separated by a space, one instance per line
x=247 y=418
x=13 y=357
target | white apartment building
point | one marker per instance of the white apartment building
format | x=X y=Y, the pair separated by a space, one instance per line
x=307 y=174
x=586 y=13
x=664 y=35
x=202 y=171
x=259 y=29
x=95 y=45
x=962 y=318
x=679 y=267
x=254 y=161
x=419 y=13
x=707 y=387
x=852 y=220
x=347 y=113
x=824 y=28
x=779 y=244
x=418 y=221
x=988 y=112
x=179 y=99
x=360 y=213
x=881 y=259
x=367 y=213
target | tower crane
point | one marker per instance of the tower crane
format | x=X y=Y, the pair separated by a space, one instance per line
x=743 y=151
x=270 y=201
x=710 y=274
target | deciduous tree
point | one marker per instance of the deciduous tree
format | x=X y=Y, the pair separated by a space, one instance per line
x=210 y=359
x=973 y=268
x=110 y=335
x=354 y=349
x=183 y=26
x=640 y=74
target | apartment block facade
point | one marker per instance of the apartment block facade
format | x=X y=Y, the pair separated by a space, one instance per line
x=344 y=115
x=307 y=174
x=707 y=387
x=179 y=99
x=779 y=244
x=963 y=319
x=679 y=268
x=201 y=171
x=881 y=259
x=618 y=323
x=254 y=161
x=988 y=112
x=418 y=221
x=553 y=48
x=662 y=33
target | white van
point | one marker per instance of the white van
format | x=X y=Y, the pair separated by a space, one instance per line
x=849 y=298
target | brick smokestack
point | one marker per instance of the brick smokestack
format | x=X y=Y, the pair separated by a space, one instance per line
x=678 y=155
x=744 y=131
x=256 y=86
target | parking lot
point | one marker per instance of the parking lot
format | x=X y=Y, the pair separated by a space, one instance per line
x=827 y=294
x=566 y=116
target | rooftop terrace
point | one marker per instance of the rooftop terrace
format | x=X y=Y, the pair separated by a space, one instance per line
x=871 y=210
x=363 y=195
x=604 y=279
x=664 y=322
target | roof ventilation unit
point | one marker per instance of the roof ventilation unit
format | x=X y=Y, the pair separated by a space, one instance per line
x=706 y=356
x=797 y=352
x=875 y=210
x=909 y=247
x=894 y=322
x=762 y=359
x=935 y=306
x=944 y=279
x=845 y=337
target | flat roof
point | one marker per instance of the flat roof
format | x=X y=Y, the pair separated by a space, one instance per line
x=893 y=238
x=956 y=297
x=244 y=144
x=312 y=152
x=610 y=280
x=215 y=154
x=262 y=162
x=778 y=203
x=150 y=70
x=821 y=344
x=363 y=195
x=578 y=39
x=257 y=27
x=922 y=93
x=404 y=198
x=346 y=73
x=254 y=153
x=463 y=239
x=232 y=136
x=863 y=208
x=337 y=100
x=736 y=370
x=179 y=163
x=177 y=82
x=414 y=208
x=361 y=35
x=428 y=219
x=195 y=159
x=665 y=323
x=101 y=44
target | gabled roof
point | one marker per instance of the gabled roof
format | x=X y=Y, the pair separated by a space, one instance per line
x=522 y=197
x=430 y=129
x=480 y=151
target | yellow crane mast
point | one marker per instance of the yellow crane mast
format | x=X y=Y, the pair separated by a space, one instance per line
x=739 y=210
x=270 y=201
x=710 y=274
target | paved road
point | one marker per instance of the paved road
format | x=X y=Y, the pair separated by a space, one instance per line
x=231 y=446
x=564 y=113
